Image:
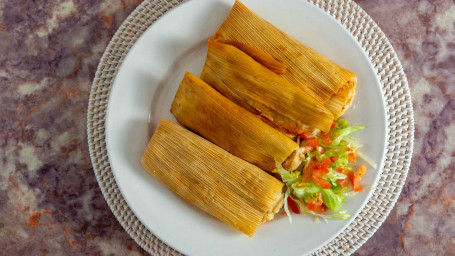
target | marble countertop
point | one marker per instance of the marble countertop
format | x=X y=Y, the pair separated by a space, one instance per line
x=50 y=202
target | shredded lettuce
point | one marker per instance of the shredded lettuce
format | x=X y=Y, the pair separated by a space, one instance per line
x=341 y=123
x=341 y=215
x=327 y=154
x=350 y=193
x=368 y=160
x=341 y=154
x=304 y=191
x=342 y=162
x=286 y=208
x=339 y=133
x=332 y=200
x=333 y=176
x=352 y=141
x=286 y=176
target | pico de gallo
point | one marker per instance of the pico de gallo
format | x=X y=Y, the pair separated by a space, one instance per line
x=327 y=174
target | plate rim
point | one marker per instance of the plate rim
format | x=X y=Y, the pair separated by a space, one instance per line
x=176 y=245
x=100 y=87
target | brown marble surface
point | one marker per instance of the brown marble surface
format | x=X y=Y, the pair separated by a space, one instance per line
x=50 y=202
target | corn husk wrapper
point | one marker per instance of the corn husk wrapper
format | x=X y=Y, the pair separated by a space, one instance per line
x=340 y=101
x=205 y=111
x=260 y=56
x=254 y=87
x=306 y=68
x=212 y=179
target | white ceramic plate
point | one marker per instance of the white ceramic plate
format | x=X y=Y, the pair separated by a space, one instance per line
x=143 y=92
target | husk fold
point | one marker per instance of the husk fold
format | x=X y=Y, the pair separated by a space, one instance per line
x=307 y=69
x=205 y=111
x=254 y=87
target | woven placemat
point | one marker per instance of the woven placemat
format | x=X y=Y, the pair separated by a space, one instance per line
x=394 y=87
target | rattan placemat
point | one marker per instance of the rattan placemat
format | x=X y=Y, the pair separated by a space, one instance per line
x=394 y=87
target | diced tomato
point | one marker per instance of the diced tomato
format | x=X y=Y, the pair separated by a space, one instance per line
x=293 y=205
x=352 y=157
x=317 y=171
x=323 y=208
x=326 y=138
x=317 y=206
x=313 y=143
x=321 y=182
x=361 y=171
x=306 y=135
x=343 y=182
x=325 y=164
x=334 y=158
x=320 y=172
x=351 y=177
x=357 y=184
x=308 y=171
x=312 y=165
x=340 y=170
x=358 y=178
x=320 y=198
x=312 y=206
x=333 y=124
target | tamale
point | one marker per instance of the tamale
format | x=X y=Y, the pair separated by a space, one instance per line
x=254 y=87
x=260 y=56
x=205 y=111
x=341 y=100
x=306 y=68
x=212 y=179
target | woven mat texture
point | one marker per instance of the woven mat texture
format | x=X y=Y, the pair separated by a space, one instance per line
x=397 y=99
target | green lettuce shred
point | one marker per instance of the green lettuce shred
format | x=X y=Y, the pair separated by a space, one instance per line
x=332 y=200
x=302 y=192
x=341 y=215
x=287 y=177
x=342 y=129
